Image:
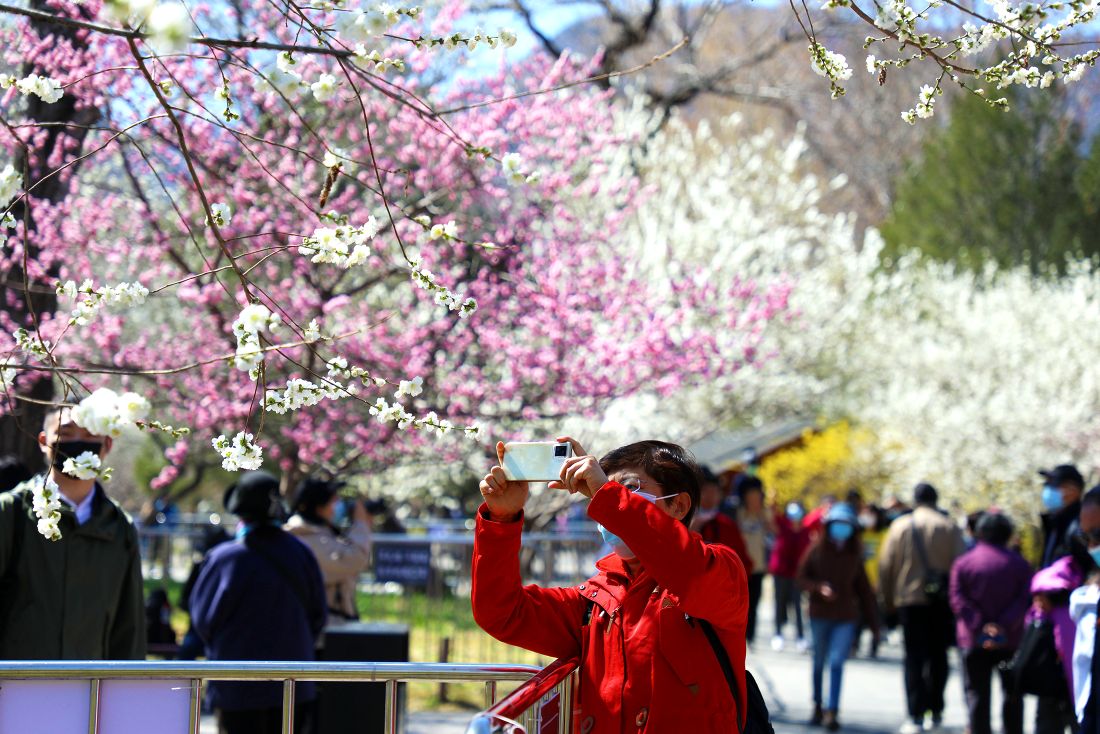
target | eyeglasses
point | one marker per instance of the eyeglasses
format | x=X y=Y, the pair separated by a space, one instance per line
x=635 y=487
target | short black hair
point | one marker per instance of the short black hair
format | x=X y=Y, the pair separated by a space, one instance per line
x=925 y=494
x=1092 y=497
x=994 y=528
x=672 y=466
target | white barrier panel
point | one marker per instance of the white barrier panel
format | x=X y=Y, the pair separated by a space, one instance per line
x=142 y=707
x=125 y=706
x=44 y=706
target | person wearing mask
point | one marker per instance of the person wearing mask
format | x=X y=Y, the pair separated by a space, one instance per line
x=260 y=597
x=755 y=523
x=840 y=595
x=990 y=597
x=712 y=525
x=914 y=567
x=660 y=630
x=1051 y=589
x=1061 y=498
x=1083 y=612
x=80 y=597
x=791 y=542
x=342 y=554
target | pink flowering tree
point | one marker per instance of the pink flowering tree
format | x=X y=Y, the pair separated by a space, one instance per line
x=296 y=229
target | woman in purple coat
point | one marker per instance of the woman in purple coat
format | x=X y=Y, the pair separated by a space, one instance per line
x=990 y=596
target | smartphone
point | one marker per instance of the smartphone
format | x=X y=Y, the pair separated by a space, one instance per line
x=535 y=461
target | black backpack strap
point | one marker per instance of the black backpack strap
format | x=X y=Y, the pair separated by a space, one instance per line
x=727 y=668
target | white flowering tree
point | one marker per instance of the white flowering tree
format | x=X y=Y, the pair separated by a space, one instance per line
x=971 y=381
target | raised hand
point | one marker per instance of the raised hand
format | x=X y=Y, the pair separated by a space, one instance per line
x=505 y=499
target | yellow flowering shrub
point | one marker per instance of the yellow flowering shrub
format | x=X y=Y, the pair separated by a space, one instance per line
x=832 y=460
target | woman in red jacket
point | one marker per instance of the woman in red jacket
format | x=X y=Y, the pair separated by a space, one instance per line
x=638 y=625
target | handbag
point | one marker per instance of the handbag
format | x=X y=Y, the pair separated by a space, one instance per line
x=936 y=583
x=1035 y=668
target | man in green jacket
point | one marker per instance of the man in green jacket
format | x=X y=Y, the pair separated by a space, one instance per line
x=80 y=597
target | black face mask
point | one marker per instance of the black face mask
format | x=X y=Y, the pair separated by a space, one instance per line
x=63 y=450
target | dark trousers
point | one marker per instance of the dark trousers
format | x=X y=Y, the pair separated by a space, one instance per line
x=264 y=721
x=756 y=587
x=928 y=633
x=1054 y=714
x=978 y=667
x=787 y=595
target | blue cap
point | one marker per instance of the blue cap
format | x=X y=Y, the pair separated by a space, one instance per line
x=842 y=512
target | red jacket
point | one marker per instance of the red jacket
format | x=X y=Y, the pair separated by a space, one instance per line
x=790 y=547
x=723 y=530
x=646 y=665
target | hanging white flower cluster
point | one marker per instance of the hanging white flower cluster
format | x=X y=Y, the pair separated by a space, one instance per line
x=410 y=388
x=90 y=299
x=925 y=107
x=301 y=393
x=338 y=369
x=363 y=26
x=312 y=332
x=47 y=506
x=512 y=165
x=47 y=89
x=375 y=61
x=832 y=66
x=444 y=296
x=86 y=466
x=239 y=452
x=30 y=343
x=254 y=318
x=341 y=245
x=106 y=413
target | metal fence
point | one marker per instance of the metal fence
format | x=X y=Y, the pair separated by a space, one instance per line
x=422 y=580
x=542 y=705
x=287 y=673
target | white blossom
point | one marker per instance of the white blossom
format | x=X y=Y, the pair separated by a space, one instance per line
x=85 y=466
x=46 y=89
x=312 y=332
x=11 y=183
x=46 y=503
x=91 y=299
x=106 y=413
x=169 y=26
x=239 y=452
x=341 y=245
x=410 y=388
x=324 y=88
x=221 y=213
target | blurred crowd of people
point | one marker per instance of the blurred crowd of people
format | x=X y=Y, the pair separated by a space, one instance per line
x=942 y=581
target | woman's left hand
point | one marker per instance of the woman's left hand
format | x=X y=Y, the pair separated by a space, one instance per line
x=580 y=473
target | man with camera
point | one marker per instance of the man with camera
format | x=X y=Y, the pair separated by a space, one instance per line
x=660 y=630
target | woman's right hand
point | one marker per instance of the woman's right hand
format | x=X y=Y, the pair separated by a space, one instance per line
x=504 y=499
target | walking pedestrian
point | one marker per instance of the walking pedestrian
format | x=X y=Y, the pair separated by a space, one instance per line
x=712 y=525
x=756 y=525
x=990 y=597
x=1051 y=589
x=914 y=568
x=833 y=574
x=791 y=542
x=1061 y=498
x=660 y=630
x=1083 y=611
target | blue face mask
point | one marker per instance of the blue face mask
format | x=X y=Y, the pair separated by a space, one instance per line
x=839 y=532
x=340 y=513
x=795 y=513
x=616 y=543
x=1095 y=553
x=1052 y=498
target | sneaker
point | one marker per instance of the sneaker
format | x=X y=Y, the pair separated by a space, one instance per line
x=802 y=645
x=911 y=727
x=777 y=643
x=933 y=722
